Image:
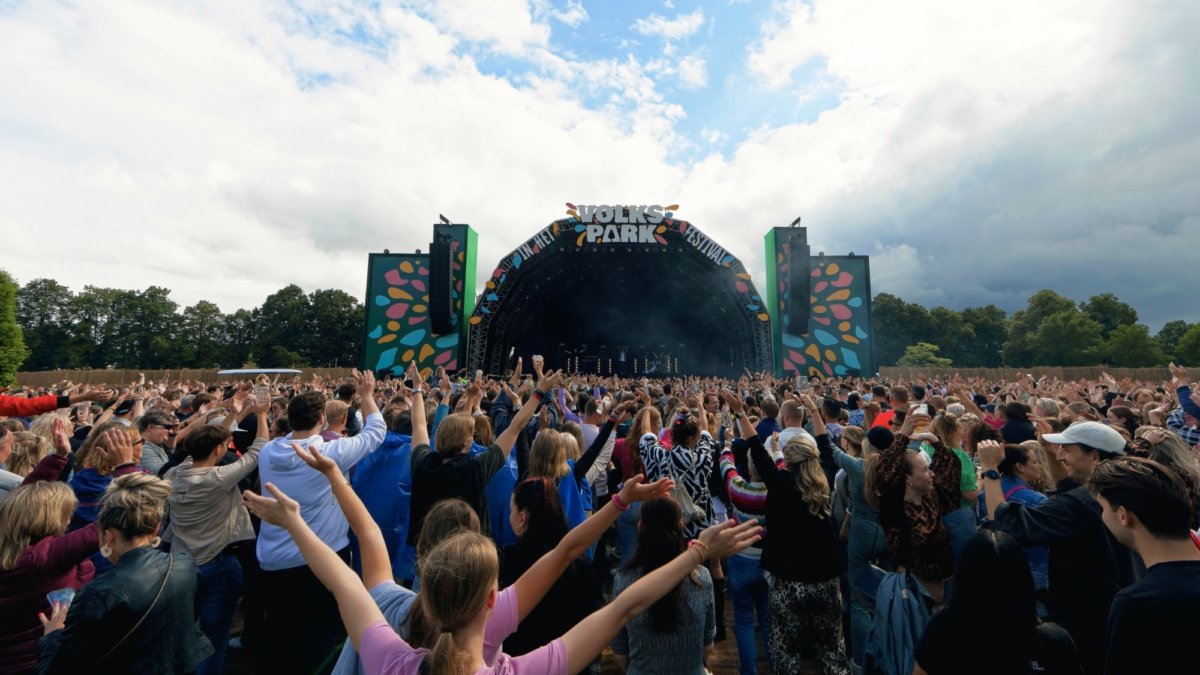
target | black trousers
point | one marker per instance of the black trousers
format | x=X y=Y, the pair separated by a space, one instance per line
x=302 y=624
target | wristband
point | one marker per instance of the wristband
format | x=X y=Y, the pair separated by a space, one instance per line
x=418 y=390
x=616 y=500
x=340 y=482
x=696 y=544
x=539 y=393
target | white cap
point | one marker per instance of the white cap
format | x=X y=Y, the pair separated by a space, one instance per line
x=234 y=428
x=1091 y=434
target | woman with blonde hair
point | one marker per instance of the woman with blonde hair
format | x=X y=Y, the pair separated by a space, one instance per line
x=27 y=450
x=38 y=556
x=802 y=554
x=139 y=617
x=93 y=469
x=548 y=459
x=450 y=471
x=1044 y=482
x=1170 y=450
x=460 y=594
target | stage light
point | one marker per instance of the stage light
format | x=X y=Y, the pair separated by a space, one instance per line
x=796 y=221
x=445 y=219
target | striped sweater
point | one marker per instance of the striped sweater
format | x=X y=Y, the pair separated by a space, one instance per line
x=748 y=499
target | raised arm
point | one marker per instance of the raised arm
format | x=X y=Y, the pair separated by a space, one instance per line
x=538 y=579
x=357 y=608
x=508 y=439
x=594 y=458
x=420 y=432
x=376 y=565
x=588 y=637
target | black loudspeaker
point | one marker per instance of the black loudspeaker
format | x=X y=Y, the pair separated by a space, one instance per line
x=441 y=305
x=799 y=284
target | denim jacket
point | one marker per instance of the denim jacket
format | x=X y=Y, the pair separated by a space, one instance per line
x=168 y=641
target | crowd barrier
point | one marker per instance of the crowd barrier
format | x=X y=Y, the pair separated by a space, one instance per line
x=124 y=377
x=1154 y=375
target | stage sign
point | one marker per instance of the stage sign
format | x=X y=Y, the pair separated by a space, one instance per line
x=839 y=339
x=397 y=325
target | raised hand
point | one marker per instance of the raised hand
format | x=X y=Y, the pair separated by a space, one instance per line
x=723 y=539
x=991 y=454
x=516 y=376
x=282 y=511
x=313 y=457
x=62 y=446
x=634 y=490
x=911 y=421
x=1180 y=374
x=414 y=374
x=118 y=450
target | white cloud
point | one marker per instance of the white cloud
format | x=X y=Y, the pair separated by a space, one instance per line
x=693 y=72
x=668 y=4
x=574 y=15
x=978 y=153
x=678 y=28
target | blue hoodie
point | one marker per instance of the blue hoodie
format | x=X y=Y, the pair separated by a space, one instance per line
x=383 y=481
x=279 y=464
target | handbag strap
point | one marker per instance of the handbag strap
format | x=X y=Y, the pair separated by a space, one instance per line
x=1013 y=490
x=170 y=566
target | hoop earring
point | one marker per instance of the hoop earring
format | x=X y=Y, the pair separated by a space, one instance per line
x=106 y=551
x=155 y=541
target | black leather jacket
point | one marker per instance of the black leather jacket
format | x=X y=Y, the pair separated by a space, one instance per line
x=167 y=641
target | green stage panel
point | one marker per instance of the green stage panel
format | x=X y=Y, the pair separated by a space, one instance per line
x=839 y=338
x=398 y=329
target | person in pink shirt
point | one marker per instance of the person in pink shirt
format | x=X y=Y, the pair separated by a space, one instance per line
x=459 y=591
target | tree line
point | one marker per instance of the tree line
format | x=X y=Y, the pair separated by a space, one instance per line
x=108 y=327
x=46 y=326
x=1052 y=330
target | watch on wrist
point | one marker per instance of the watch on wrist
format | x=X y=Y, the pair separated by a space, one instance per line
x=991 y=474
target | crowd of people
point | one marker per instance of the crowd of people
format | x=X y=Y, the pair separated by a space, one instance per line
x=446 y=524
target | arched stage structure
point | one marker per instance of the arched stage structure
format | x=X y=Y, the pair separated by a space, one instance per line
x=624 y=298
x=620 y=290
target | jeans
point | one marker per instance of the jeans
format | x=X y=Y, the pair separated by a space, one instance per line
x=867 y=543
x=217 y=596
x=961 y=524
x=627 y=532
x=749 y=590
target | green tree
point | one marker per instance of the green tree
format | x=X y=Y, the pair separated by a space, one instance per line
x=954 y=335
x=202 y=339
x=1106 y=310
x=1019 y=347
x=12 y=343
x=140 y=329
x=922 y=355
x=1171 y=333
x=88 y=315
x=334 y=328
x=1188 y=348
x=279 y=356
x=1134 y=347
x=241 y=332
x=282 y=321
x=990 y=328
x=43 y=311
x=898 y=323
x=1067 y=338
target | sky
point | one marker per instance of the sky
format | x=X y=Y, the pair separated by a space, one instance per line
x=978 y=151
